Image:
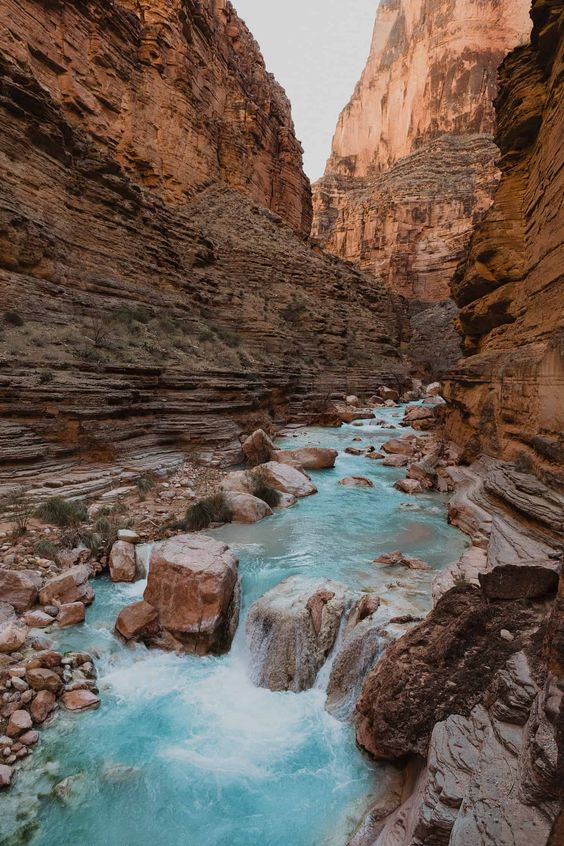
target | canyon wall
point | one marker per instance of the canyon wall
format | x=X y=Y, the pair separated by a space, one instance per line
x=158 y=289
x=473 y=696
x=506 y=396
x=412 y=167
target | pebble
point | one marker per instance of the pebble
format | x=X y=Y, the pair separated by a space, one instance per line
x=506 y=635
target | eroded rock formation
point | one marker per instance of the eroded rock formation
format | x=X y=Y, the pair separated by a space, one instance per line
x=157 y=286
x=506 y=396
x=291 y=630
x=412 y=167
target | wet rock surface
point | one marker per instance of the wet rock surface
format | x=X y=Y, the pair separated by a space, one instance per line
x=291 y=630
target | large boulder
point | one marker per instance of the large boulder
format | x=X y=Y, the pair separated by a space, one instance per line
x=12 y=636
x=287 y=479
x=70 y=586
x=441 y=666
x=122 y=564
x=419 y=417
x=310 y=458
x=258 y=447
x=400 y=446
x=137 y=618
x=291 y=631
x=340 y=412
x=194 y=586
x=246 y=508
x=18 y=589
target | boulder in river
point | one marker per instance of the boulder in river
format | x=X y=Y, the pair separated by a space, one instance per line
x=310 y=458
x=399 y=446
x=287 y=479
x=194 y=591
x=291 y=631
x=122 y=564
x=356 y=482
x=283 y=477
x=246 y=508
x=397 y=558
x=408 y=486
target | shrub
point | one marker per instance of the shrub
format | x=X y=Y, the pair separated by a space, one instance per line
x=129 y=316
x=105 y=534
x=45 y=377
x=61 y=512
x=13 y=318
x=47 y=549
x=145 y=483
x=262 y=490
x=18 y=508
x=293 y=311
x=212 y=509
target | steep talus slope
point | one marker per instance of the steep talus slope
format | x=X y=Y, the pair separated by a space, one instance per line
x=149 y=306
x=412 y=168
x=473 y=697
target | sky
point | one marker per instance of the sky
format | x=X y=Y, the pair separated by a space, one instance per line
x=316 y=49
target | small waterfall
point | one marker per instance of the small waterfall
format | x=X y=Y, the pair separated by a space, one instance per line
x=142 y=558
x=324 y=674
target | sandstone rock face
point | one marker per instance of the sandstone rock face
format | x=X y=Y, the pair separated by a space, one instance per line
x=291 y=631
x=412 y=167
x=442 y=666
x=193 y=584
x=506 y=395
x=198 y=314
x=160 y=64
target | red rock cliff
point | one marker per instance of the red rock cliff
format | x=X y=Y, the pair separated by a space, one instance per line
x=157 y=288
x=507 y=396
x=175 y=90
x=412 y=165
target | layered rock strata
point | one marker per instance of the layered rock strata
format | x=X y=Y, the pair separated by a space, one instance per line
x=149 y=306
x=506 y=396
x=412 y=167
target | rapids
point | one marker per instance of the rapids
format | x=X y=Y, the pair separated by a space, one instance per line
x=186 y=751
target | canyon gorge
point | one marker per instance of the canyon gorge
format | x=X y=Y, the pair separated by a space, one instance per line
x=263 y=579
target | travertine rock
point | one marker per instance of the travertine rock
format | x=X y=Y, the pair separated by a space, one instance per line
x=291 y=630
x=506 y=397
x=412 y=167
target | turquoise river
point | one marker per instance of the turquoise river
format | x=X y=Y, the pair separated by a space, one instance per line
x=186 y=751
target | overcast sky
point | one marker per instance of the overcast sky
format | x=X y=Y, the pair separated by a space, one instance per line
x=316 y=49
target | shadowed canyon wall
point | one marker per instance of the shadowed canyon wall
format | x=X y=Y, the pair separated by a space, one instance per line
x=412 y=168
x=158 y=287
x=507 y=395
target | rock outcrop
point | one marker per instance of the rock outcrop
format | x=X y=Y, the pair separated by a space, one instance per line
x=174 y=301
x=412 y=167
x=471 y=690
x=505 y=397
x=191 y=602
x=291 y=630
